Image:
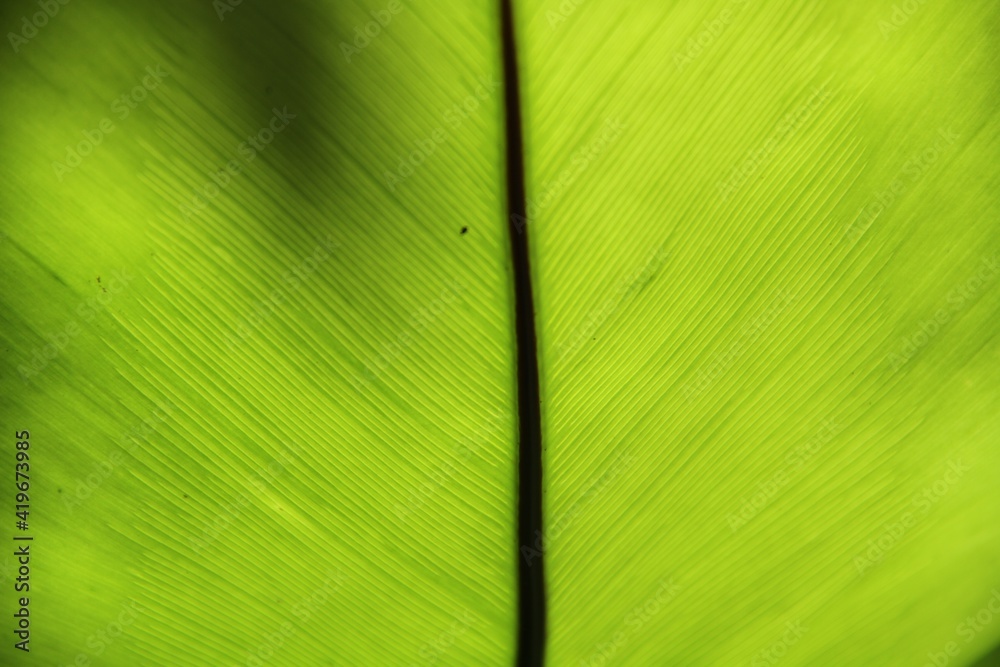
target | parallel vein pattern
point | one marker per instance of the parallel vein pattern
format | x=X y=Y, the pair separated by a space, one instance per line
x=747 y=382
x=286 y=435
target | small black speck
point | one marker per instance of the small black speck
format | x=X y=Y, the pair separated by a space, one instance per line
x=98 y=279
x=465 y=229
x=185 y=495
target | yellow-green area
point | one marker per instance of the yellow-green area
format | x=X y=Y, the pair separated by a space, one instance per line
x=281 y=421
x=257 y=317
x=770 y=303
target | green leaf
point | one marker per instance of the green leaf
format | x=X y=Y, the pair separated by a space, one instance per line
x=261 y=332
x=283 y=423
x=726 y=304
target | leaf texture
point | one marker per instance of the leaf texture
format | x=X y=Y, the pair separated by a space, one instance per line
x=261 y=331
x=321 y=362
x=744 y=379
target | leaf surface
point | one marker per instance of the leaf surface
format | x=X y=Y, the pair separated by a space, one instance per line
x=261 y=332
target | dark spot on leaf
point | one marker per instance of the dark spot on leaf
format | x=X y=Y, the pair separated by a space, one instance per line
x=465 y=229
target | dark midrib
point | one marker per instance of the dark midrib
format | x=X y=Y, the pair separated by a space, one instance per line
x=531 y=575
